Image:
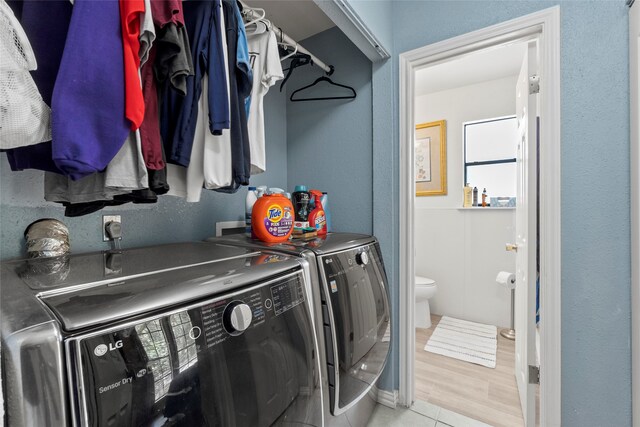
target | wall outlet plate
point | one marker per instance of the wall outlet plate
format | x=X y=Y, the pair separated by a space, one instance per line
x=106 y=219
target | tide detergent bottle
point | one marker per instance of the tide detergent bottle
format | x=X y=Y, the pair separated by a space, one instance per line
x=272 y=218
x=317 y=217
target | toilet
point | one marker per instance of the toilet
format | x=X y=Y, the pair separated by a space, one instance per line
x=425 y=289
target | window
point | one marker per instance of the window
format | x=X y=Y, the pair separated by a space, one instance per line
x=186 y=346
x=155 y=344
x=490 y=155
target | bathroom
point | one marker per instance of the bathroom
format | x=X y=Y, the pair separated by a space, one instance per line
x=460 y=249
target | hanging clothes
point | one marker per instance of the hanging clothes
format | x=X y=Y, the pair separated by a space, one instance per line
x=239 y=89
x=125 y=173
x=179 y=114
x=267 y=70
x=46 y=24
x=59 y=188
x=168 y=66
x=24 y=117
x=150 y=127
x=147 y=33
x=210 y=163
x=88 y=105
x=130 y=23
x=127 y=169
x=187 y=182
x=174 y=61
x=218 y=172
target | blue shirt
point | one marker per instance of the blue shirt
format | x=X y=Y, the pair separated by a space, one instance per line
x=179 y=114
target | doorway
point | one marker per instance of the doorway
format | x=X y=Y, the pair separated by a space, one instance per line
x=464 y=355
x=541 y=29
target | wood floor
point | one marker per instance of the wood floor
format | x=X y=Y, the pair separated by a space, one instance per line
x=485 y=394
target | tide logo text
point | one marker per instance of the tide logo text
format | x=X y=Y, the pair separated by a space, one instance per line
x=275 y=213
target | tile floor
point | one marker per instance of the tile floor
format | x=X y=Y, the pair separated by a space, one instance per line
x=421 y=414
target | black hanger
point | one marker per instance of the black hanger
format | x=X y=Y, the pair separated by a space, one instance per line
x=323 y=79
x=298 y=60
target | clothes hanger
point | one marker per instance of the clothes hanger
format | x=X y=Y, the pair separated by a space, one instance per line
x=299 y=60
x=259 y=29
x=323 y=79
x=286 y=47
x=261 y=15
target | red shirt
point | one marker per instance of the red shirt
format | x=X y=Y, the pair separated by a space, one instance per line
x=130 y=11
x=167 y=11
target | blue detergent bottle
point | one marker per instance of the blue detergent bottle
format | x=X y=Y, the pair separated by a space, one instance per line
x=324 y=200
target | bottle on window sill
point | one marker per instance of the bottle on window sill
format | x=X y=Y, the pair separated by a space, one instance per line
x=467 y=200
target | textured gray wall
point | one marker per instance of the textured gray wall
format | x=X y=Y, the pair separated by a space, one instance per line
x=329 y=142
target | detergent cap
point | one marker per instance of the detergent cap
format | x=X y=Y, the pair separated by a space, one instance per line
x=301 y=188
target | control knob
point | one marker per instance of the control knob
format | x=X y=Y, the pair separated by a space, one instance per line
x=362 y=258
x=237 y=317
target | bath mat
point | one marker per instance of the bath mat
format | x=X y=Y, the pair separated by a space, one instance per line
x=469 y=341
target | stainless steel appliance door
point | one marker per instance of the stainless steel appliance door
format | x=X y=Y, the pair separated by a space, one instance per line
x=356 y=317
x=242 y=359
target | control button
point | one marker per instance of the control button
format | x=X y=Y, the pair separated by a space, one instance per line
x=237 y=317
x=195 y=332
x=268 y=304
x=362 y=258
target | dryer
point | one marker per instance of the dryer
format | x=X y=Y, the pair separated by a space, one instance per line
x=193 y=334
x=352 y=316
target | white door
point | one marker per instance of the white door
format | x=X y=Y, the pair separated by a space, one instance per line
x=525 y=301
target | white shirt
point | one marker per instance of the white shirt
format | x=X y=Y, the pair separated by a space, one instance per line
x=267 y=70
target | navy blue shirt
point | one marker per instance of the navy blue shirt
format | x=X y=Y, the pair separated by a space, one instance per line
x=239 y=89
x=179 y=114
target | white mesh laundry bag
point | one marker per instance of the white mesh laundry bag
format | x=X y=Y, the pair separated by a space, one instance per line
x=24 y=117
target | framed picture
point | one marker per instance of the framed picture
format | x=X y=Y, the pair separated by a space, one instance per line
x=430 y=156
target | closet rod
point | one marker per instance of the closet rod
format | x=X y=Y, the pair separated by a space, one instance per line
x=252 y=14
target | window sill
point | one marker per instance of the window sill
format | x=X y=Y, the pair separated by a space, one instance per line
x=488 y=208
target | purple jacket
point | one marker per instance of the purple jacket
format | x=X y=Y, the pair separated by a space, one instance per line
x=88 y=118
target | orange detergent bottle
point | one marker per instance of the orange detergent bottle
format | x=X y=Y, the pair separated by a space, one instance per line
x=272 y=218
x=317 y=217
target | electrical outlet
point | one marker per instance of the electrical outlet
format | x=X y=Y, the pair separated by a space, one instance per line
x=106 y=219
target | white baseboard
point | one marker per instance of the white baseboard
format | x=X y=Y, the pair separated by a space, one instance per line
x=387 y=398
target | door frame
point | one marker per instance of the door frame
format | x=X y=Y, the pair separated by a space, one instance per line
x=634 y=75
x=545 y=27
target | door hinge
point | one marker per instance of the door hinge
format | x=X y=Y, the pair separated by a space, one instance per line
x=534 y=374
x=534 y=84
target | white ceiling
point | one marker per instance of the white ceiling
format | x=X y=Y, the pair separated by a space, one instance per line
x=490 y=64
x=299 y=19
